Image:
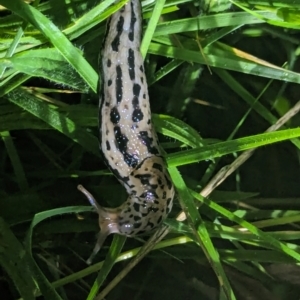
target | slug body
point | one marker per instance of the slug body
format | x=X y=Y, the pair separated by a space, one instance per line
x=128 y=140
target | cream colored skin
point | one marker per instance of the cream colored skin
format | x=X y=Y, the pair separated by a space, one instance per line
x=128 y=140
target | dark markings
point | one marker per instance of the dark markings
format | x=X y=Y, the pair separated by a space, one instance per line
x=150 y=224
x=130 y=160
x=142 y=79
x=153 y=209
x=137 y=218
x=109 y=82
x=114 y=115
x=169 y=200
x=121 y=144
x=144 y=178
x=137 y=225
x=157 y=166
x=169 y=182
x=108 y=63
x=142 y=68
x=148 y=141
x=137 y=114
x=136 y=207
x=107 y=146
x=115 y=171
x=116 y=42
x=119 y=85
x=136 y=90
x=159 y=220
x=150 y=194
x=132 y=22
x=130 y=60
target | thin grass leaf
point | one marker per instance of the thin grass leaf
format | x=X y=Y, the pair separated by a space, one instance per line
x=226 y=60
x=57 y=38
x=281 y=247
x=54 y=119
x=111 y=258
x=210 y=22
x=48 y=64
x=156 y=13
x=223 y=148
x=15 y=160
x=200 y=233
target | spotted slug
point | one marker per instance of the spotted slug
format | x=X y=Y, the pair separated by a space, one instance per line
x=128 y=141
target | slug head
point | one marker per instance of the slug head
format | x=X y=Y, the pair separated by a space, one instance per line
x=108 y=221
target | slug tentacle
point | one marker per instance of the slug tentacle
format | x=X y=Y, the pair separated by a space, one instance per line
x=108 y=221
x=127 y=137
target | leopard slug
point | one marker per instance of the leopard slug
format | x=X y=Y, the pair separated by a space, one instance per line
x=128 y=141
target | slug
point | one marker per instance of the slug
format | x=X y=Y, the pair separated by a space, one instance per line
x=128 y=141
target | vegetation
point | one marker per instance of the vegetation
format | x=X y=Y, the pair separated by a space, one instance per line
x=221 y=72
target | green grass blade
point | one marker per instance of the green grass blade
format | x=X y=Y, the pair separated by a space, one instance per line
x=221 y=58
x=55 y=119
x=223 y=148
x=111 y=258
x=57 y=38
x=156 y=13
x=200 y=233
x=15 y=160
x=209 y=22
x=281 y=247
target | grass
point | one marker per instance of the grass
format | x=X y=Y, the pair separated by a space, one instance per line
x=223 y=80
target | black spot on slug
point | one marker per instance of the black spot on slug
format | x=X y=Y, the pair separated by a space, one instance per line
x=169 y=182
x=144 y=178
x=137 y=225
x=116 y=42
x=121 y=139
x=114 y=115
x=132 y=22
x=159 y=220
x=153 y=209
x=136 y=207
x=150 y=224
x=137 y=115
x=148 y=141
x=136 y=218
x=136 y=90
x=157 y=166
x=109 y=82
x=108 y=63
x=130 y=160
x=121 y=144
x=107 y=146
x=130 y=60
x=119 y=84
